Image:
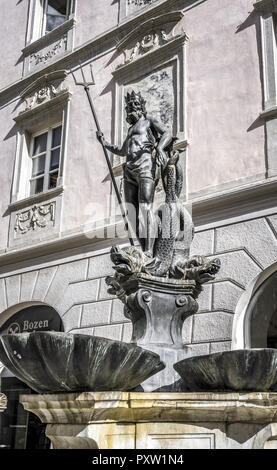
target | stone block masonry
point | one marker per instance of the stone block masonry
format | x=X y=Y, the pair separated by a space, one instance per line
x=77 y=289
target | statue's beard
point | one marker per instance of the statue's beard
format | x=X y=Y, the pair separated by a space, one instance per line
x=133 y=116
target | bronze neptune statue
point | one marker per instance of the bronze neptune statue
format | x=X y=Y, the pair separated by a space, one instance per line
x=144 y=148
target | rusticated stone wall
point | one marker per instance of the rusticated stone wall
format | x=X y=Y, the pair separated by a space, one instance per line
x=77 y=289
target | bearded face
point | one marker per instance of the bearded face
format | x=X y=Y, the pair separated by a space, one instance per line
x=134 y=111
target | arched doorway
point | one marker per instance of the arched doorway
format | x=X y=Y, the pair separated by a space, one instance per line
x=255 y=322
x=263 y=313
x=20 y=429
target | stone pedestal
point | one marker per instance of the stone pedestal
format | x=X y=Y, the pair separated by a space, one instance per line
x=158 y=308
x=121 y=420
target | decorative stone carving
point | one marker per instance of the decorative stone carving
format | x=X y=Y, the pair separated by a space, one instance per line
x=34 y=218
x=140 y=2
x=149 y=36
x=44 y=89
x=44 y=94
x=46 y=54
x=133 y=6
x=3 y=402
x=148 y=42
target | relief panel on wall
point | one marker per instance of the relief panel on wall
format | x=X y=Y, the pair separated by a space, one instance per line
x=36 y=222
x=130 y=7
x=158 y=90
x=49 y=48
x=153 y=63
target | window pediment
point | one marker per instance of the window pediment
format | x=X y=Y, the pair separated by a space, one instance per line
x=43 y=90
x=150 y=35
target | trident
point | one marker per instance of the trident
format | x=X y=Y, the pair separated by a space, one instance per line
x=86 y=86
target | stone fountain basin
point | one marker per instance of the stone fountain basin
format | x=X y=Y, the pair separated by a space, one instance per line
x=238 y=370
x=50 y=362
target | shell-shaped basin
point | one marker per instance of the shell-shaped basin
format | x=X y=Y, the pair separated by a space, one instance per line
x=238 y=370
x=50 y=362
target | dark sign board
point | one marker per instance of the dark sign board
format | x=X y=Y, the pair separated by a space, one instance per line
x=30 y=319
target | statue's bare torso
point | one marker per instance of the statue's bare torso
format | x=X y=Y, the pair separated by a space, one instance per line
x=139 y=145
x=140 y=138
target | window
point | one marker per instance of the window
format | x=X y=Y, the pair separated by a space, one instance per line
x=45 y=154
x=56 y=12
x=46 y=15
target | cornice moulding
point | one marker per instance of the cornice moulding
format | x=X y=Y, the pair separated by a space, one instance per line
x=171 y=46
x=235 y=202
x=45 y=196
x=140 y=407
x=120 y=30
x=47 y=106
x=44 y=79
x=152 y=23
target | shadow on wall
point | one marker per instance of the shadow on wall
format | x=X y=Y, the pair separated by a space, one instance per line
x=254 y=20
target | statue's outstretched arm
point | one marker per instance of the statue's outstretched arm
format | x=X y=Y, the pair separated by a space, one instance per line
x=120 y=151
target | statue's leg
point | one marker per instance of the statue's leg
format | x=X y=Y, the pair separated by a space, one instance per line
x=131 y=192
x=146 y=198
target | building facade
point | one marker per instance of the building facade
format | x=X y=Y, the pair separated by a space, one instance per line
x=208 y=68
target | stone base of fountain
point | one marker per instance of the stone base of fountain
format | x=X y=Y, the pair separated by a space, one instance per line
x=158 y=305
x=122 y=420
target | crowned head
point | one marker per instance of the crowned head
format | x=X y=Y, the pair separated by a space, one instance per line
x=135 y=106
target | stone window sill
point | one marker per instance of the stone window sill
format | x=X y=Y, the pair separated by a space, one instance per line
x=62 y=98
x=49 y=37
x=28 y=201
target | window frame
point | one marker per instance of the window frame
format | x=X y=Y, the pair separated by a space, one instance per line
x=49 y=149
x=37 y=21
x=44 y=16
